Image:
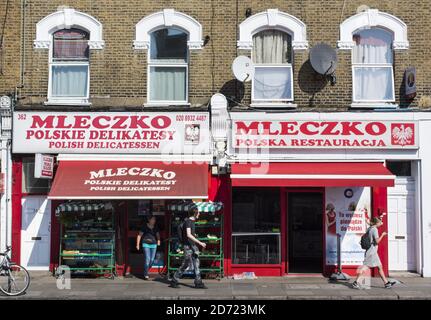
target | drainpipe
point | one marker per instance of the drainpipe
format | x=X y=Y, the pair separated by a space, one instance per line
x=6 y=169
x=23 y=43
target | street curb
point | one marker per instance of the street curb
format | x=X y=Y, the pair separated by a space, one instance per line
x=373 y=297
x=260 y=297
x=206 y=298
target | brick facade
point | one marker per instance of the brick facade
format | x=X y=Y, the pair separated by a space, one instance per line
x=118 y=72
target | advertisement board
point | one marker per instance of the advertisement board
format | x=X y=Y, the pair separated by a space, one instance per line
x=43 y=166
x=346 y=214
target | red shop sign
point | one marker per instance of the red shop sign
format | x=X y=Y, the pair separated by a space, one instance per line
x=325 y=134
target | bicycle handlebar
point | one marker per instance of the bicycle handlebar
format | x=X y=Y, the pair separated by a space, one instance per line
x=7 y=249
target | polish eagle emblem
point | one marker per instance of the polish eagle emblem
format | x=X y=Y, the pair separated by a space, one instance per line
x=402 y=134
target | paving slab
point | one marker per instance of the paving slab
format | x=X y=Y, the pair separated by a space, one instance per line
x=338 y=293
x=206 y=297
x=316 y=297
x=83 y=293
x=299 y=293
x=239 y=297
x=193 y=292
x=271 y=291
x=34 y=294
x=332 y=286
x=303 y=286
x=239 y=289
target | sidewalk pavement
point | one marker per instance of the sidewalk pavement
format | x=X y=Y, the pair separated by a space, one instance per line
x=43 y=286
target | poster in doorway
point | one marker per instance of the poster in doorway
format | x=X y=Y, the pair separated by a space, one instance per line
x=346 y=213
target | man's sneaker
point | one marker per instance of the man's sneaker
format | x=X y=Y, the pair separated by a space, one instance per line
x=200 y=285
x=174 y=284
x=389 y=284
x=146 y=277
x=356 y=285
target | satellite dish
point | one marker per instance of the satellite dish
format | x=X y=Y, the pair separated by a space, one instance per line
x=243 y=68
x=323 y=59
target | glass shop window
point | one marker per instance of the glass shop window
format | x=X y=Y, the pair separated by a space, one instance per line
x=400 y=168
x=29 y=183
x=256 y=226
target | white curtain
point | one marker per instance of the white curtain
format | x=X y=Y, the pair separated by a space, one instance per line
x=168 y=83
x=373 y=83
x=373 y=46
x=69 y=81
x=273 y=83
x=272 y=47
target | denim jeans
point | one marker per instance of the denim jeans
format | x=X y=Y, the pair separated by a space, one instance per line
x=150 y=254
x=191 y=259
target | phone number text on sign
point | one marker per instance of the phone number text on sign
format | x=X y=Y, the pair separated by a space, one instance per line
x=182 y=117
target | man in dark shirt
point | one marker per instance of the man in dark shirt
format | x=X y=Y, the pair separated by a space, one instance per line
x=191 y=251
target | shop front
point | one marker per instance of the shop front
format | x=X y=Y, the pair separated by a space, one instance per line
x=285 y=216
x=104 y=205
x=112 y=172
x=299 y=182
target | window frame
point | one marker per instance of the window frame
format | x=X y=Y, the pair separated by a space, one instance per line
x=52 y=63
x=356 y=65
x=264 y=65
x=159 y=63
x=273 y=65
x=372 y=65
x=25 y=188
x=238 y=234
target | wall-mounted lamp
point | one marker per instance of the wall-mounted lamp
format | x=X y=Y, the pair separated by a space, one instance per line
x=248 y=12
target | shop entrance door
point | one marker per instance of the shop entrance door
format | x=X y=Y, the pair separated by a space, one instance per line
x=305 y=232
x=36 y=232
x=401 y=225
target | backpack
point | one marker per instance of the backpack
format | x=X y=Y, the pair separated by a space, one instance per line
x=180 y=232
x=365 y=240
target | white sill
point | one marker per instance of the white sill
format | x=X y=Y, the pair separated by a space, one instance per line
x=166 y=104
x=77 y=102
x=374 y=105
x=273 y=105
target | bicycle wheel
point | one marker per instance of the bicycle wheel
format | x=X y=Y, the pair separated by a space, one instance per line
x=15 y=280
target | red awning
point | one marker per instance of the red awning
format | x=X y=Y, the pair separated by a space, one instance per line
x=312 y=174
x=129 y=180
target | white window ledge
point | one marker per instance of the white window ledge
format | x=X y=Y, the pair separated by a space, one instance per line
x=374 y=105
x=166 y=104
x=274 y=105
x=69 y=102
